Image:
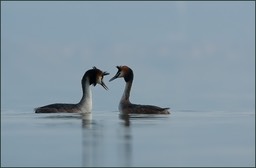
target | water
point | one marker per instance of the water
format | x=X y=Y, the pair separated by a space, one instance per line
x=184 y=138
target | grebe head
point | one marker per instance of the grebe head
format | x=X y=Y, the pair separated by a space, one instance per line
x=95 y=77
x=125 y=72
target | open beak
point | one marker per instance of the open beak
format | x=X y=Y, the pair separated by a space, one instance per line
x=103 y=85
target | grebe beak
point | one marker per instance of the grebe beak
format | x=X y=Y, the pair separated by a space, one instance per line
x=103 y=85
x=116 y=76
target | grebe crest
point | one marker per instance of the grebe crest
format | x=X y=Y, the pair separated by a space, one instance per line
x=125 y=106
x=93 y=77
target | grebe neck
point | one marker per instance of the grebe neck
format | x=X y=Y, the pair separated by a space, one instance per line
x=128 y=80
x=85 y=103
x=127 y=90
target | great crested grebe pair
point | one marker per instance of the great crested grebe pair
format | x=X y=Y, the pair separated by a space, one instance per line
x=93 y=77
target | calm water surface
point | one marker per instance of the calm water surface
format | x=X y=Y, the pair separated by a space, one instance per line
x=184 y=138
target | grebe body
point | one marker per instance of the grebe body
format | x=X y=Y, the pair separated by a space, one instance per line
x=125 y=106
x=91 y=77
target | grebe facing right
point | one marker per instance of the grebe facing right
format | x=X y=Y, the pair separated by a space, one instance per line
x=125 y=106
x=93 y=76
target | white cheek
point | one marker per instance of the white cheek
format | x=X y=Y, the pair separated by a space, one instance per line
x=99 y=80
x=121 y=74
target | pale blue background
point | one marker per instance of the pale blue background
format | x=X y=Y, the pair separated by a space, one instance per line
x=185 y=55
x=196 y=57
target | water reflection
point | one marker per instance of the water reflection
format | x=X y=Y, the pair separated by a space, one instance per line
x=98 y=147
x=91 y=142
x=126 y=118
x=86 y=120
x=125 y=148
x=105 y=142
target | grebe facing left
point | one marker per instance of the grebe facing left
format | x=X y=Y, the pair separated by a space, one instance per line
x=91 y=77
x=125 y=106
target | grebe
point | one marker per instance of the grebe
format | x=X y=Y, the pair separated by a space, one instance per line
x=125 y=106
x=93 y=76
